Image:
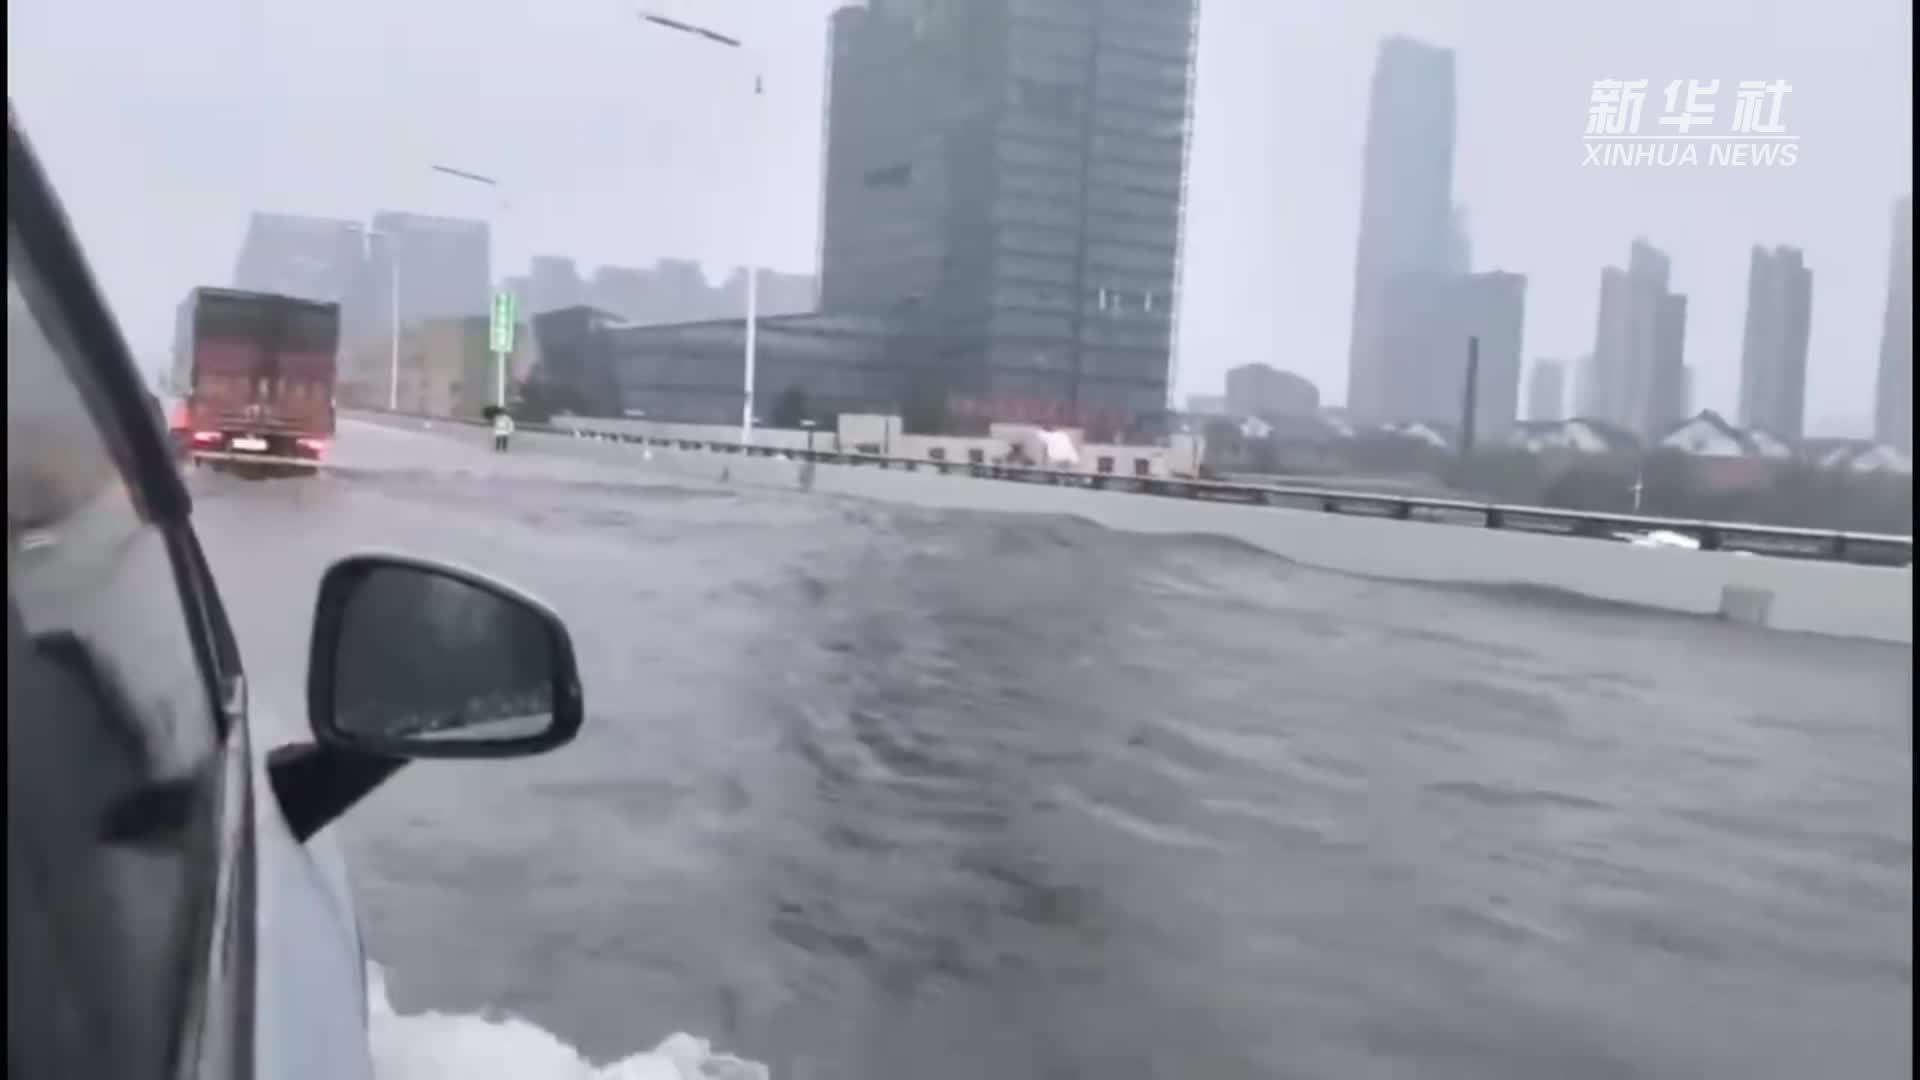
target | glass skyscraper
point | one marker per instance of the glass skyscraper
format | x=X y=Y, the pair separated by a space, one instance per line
x=1411 y=237
x=1014 y=172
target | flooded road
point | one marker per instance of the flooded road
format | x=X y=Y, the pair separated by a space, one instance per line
x=877 y=793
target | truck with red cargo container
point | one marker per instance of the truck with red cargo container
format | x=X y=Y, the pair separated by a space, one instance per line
x=259 y=373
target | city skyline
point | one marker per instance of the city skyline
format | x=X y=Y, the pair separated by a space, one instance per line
x=1425 y=266
x=1533 y=210
x=309 y=257
x=351 y=263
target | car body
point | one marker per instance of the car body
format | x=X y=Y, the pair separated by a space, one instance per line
x=176 y=906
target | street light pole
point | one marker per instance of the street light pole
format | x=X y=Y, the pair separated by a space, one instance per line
x=499 y=356
x=752 y=352
x=393 y=325
x=393 y=317
x=751 y=357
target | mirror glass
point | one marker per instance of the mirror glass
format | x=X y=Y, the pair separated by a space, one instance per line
x=425 y=658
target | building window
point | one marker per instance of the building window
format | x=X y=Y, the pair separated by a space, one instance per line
x=1105 y=464
x=1048 y=99
x=1142 y=467
x=976 y=456
x=892 y=176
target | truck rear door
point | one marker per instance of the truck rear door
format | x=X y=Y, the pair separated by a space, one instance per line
x=230 y=358
x=301 y=392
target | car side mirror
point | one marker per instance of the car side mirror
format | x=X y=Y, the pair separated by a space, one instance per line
x=414 y=659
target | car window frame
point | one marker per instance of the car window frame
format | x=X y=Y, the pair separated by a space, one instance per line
x=59 y=288
x=48 y=268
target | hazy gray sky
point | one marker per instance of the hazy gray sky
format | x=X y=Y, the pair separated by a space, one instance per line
x=166 y=123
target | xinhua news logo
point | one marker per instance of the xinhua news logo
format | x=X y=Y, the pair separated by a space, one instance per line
x=1689 y=131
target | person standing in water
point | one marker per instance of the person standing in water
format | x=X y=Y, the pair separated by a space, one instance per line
x=502 y=430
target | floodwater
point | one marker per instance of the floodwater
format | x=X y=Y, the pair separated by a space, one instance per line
x=868 y=792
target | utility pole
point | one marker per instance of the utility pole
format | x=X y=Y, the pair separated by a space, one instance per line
x=393 y=312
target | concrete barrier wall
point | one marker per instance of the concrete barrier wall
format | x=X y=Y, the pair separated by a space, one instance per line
x=1829 y=598
x=1788 y=594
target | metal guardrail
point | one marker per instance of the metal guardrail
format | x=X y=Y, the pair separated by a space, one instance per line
x=1785 y=541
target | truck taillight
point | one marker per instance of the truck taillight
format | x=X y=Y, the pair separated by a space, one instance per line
x=205 y=437
x=317 y=446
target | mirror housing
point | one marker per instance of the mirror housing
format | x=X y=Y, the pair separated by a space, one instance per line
x=416 y=659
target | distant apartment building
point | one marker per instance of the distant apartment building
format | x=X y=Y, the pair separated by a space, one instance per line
x=444 y=265
x=671 y=291
x=1773 y=355
x=1459 y=243
x=1636 y=379
x=776 y=293
x=1547 y=391
x=1580 y=388
x=1893 y=390
x=1207 y=404
x=1266 y=392
x=446 y=367
x=310 y=258
x=552 y=282
x=1428 y=321
x=1014 y=171
x=676 y=290
x=1494 y=311
x=621 y=290
x=1411 y=237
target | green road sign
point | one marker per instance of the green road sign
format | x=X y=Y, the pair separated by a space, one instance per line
x=500 y=329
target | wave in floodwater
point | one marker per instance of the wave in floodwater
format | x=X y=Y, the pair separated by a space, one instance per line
x=435 y=1045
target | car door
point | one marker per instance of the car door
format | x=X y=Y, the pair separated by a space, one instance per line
x=131 y=873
